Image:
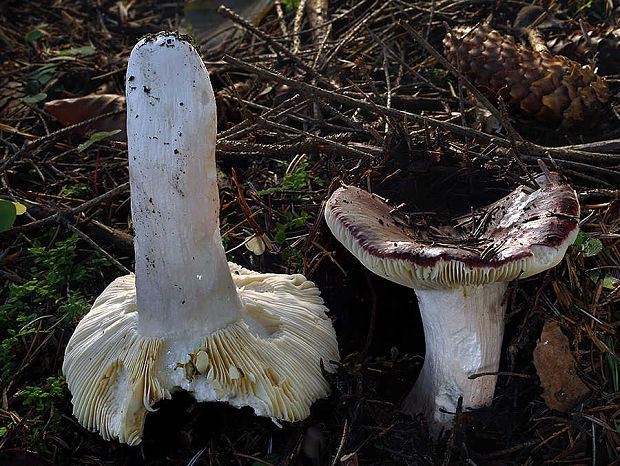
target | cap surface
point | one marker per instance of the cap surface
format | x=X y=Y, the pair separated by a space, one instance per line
x=520 y=235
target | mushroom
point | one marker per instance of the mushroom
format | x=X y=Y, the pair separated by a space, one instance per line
x=460 y=278
x=188 y=320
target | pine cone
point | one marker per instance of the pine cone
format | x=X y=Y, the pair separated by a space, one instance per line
x=551 y=88
x=605 y=42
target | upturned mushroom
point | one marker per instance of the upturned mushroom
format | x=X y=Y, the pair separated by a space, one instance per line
x=188 y=320
x=460 y=276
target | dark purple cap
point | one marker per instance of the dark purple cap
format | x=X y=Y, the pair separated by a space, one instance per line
x=522 y=234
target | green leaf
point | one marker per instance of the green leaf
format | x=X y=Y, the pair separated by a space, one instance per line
x=96 y=137
x=297 y=179
x=290 y=5
x=19 y=208
x=609 y=281
x=32 y=87
x=33 y=35
x=587 y=4
x=8 y=212
x=83 y=51
x=590 y=246
x=34 y=99
x=44 y=73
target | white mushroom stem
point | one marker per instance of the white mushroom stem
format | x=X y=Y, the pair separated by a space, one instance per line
x=188 y=320
x=463 y=329
x=180 y=261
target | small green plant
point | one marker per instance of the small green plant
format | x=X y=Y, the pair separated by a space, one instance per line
x=75 y=191
x=59 y=285
x=297 y=180
x=588 y=245
x=290 y=5
x=35 y=34
x=42 y=398
x=97 y=137
x=83 y=51
x=609 y=281
x=5 y=429
x=290 y=255
x=291 y=222
x=8 y=355
x=294 y=259
x=585 y=5
x=440 y=76
x=36 y=81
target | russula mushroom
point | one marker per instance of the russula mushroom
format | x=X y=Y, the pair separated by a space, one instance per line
x=188 y=320
x=460 y=278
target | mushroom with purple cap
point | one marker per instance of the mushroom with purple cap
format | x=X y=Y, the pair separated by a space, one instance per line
x=188 y=320
x=460 y=278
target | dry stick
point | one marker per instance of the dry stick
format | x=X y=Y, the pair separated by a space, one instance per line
x=76 y=210
x=299 y=14
x=222 y=10
x=533 y=149
x=513 y=137
x=612 y=145
x=351 y=34
x=317 y=16
x=12 y=130
x=245 y=208
x=535 y=39
x=511 y=374
x=53 y=136
x=281 y=150
x=281 y=22
x=343 y=99
x=611 y=172
x=345 y=149
x=396 y=57
x=388 y=86
x=98 y=248
x=245 y=124
x=446 y=64
x=459 y=75
x=343 y=441
x=293 y=115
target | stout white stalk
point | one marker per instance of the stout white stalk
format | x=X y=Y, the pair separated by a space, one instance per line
x=463 y=330
x=180 y=261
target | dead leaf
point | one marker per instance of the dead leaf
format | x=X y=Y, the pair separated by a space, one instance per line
x=557 y=370
x=257 y=244
x=78 y=109
x=349 y=460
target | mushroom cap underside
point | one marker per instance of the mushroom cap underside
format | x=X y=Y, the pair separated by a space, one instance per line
x=520 y=235
x=269 y=361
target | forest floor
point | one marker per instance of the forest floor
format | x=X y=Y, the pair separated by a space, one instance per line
x=310 y=94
